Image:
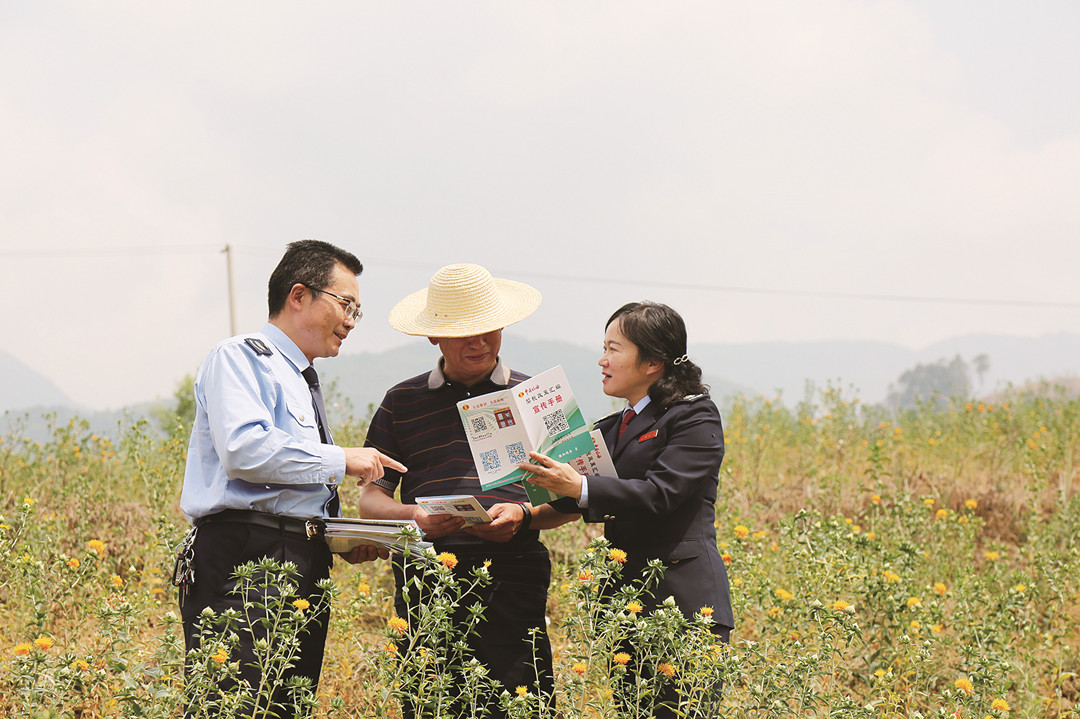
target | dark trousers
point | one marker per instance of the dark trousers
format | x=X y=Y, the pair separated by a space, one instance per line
x=219 y=549
x=514 y=604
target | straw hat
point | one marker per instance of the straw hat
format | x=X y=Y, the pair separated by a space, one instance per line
x=462 y=301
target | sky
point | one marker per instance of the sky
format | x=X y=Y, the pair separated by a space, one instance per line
x=901 y=171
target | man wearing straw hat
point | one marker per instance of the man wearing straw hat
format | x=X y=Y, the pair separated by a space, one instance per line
x=463 y=311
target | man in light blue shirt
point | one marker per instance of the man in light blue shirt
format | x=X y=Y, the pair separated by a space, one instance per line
x=262 y=462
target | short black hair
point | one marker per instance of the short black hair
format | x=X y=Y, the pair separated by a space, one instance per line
x=310 y=263
x=659 y=334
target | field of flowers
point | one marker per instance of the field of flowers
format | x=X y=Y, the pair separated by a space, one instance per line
x=920 y=564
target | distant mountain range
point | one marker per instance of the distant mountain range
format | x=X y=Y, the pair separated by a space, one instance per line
x=771 y=368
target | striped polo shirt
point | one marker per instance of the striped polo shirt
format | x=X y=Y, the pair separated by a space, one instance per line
x=418 y=424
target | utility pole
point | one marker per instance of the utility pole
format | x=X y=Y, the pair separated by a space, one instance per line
x=232 y=290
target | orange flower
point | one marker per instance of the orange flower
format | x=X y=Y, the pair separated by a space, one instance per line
x=447 y=559
x=963 y=685
x=80 y=665
x=728 y=559
x=706 y=611
x=940 y=588
x=622 y=658
x=220 y=656
x=666 y=669
x=876 y=499
x=585 y=575
x=22 y=649
x=971 y=503
x=617 y=555
x=398 y=624
x=1000 y=704
x=579 y=668
x=43 y=642
x=741 y=531
x=73 y=563
x=941 y=514
x=116 y=581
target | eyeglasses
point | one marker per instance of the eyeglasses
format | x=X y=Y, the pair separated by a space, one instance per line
x=352 y=309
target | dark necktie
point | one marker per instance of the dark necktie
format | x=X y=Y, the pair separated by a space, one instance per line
x=333 y=507
x=627 y=416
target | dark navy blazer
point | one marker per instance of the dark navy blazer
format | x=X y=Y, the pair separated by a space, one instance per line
x=662 y=504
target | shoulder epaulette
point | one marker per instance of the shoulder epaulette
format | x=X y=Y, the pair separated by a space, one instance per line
x=258 y=346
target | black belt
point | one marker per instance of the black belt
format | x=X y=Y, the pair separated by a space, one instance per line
x=310 y=528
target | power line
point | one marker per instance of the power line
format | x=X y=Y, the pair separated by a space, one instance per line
x=736 y=289
x=593 y=280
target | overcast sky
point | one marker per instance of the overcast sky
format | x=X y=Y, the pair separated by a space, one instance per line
x=767 y=168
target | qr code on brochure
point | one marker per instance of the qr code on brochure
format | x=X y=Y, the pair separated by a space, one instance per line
x=479 y=423
x=516 y=451
x=556 y=423
x=490 y=460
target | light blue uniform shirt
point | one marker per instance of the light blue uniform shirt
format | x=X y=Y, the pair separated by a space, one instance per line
x=255 y=443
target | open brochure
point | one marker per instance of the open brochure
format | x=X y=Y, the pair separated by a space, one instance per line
x=461 y=505
x=537 y=415
x=596 y=462
x=345 y=533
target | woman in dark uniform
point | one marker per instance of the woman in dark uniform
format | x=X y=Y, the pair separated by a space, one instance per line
x=667 y=446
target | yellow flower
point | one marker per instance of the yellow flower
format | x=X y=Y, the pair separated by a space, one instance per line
x=870 y=535
x=992 y=556
x=876 y=499
x=220 y=656
x=585 y=575
x=890 y=576
x=633 y=607
x=940 y=588
x=28 y=501
x=579 y=668
x=937 y=628
x=617 y=555
x=521 y=691
x=80 y=665
x=447 y=559
x=96 y=546
x=741 y=531
x=5 y=525
x=840 y=605
x=913 y=601
x=390 y=649
x=963 y=685
x=916 y=625
x=962 y=520
x=1000 y=704
x=43 y=642
x=879 y=673
x=784 y=595
x=666 y=669
x=116 y=581
x=928 y=502
x=1020 y=588
x=398 y=624
x=363 y=589
x=22 y=649
x=760 y=534
x=301 y=604
x=706 y=611
x=856 y=528
x=73 y=563
x=971 y=503
x=621 y=658
x=941 y=514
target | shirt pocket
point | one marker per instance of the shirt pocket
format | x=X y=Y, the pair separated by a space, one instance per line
x=303 y=414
